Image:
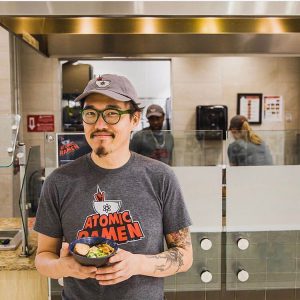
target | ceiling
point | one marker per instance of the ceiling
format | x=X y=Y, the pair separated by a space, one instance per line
x=96 y=29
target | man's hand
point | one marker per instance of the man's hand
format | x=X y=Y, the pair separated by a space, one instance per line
x=178 y=258
x=71 y=268
x=54 y=260
x=124 y=265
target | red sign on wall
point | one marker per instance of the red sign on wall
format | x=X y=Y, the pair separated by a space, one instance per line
x=40 y=123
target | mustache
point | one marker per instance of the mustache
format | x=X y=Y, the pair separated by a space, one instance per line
x=101 y=131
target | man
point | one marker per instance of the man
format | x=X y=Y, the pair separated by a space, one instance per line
x=151 y=206
x=152 y=141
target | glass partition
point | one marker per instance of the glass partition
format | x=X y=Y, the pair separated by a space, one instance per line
x=185 y=148
x=50 y=152
x=9 y=125
x=262 y=213
x=267 y=148
x=64 y=147
x=267 y=193
x=198 y=148
x=198 y=165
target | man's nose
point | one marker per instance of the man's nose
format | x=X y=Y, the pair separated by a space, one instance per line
x=100 y=122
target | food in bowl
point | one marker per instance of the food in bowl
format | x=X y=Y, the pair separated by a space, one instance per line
x=81 y=249
x=93 y=251
x=96 y=251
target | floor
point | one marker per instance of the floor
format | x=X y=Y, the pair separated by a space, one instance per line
x=230 y=295
x=237 y=295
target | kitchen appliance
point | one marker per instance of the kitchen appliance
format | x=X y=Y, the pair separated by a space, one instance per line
x=74 y=78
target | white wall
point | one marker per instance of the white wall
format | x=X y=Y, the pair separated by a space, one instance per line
x=151 y=78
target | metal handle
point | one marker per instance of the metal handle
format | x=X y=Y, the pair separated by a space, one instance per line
x=206 y=276
x=205 y=244
x=243 y=275
x=243 y=243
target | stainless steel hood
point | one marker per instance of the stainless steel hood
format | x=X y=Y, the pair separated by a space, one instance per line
x=171 y=28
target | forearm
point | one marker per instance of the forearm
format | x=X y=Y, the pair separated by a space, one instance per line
x=170 y=262
x=47 y=263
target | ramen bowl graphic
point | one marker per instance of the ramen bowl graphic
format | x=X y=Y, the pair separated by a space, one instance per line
x=107 y=207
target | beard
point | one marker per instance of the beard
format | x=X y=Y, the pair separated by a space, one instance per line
x=101 y=151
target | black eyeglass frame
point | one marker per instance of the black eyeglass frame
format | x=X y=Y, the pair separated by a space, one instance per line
x=101 y=112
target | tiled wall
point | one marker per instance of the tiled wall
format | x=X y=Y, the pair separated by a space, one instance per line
x=217 y=80
x=204 y=260
x=6 y=174
x=39 y=93
x=271 y=261
x=40 y=89
x=5 y=73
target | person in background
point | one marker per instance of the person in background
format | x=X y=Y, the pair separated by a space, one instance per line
x=151 y=207
x=152 y=141
x=248 y=149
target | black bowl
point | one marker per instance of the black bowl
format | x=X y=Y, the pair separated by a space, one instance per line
x=92 y=241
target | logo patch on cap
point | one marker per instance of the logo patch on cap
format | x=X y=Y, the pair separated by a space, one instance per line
x=102 y=83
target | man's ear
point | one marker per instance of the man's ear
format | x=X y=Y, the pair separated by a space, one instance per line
x=136 y=118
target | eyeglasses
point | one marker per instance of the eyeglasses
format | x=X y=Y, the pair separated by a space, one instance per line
x=110 y=116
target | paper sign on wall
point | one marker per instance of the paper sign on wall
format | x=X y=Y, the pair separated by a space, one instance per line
x=40 y=123
x=273 y=108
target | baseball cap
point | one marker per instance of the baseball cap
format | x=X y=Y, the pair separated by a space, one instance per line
x=237 y=122
x=154 y=110
x=111 y=85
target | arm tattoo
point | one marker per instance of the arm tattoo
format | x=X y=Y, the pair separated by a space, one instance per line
x=173 y=257
x=181 y=238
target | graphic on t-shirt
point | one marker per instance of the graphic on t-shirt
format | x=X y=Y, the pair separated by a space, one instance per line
x=109 y=222
x=102 y=206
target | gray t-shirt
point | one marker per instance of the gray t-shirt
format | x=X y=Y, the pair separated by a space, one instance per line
x=242 y=153
x=135 y=205
x=154 y=144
